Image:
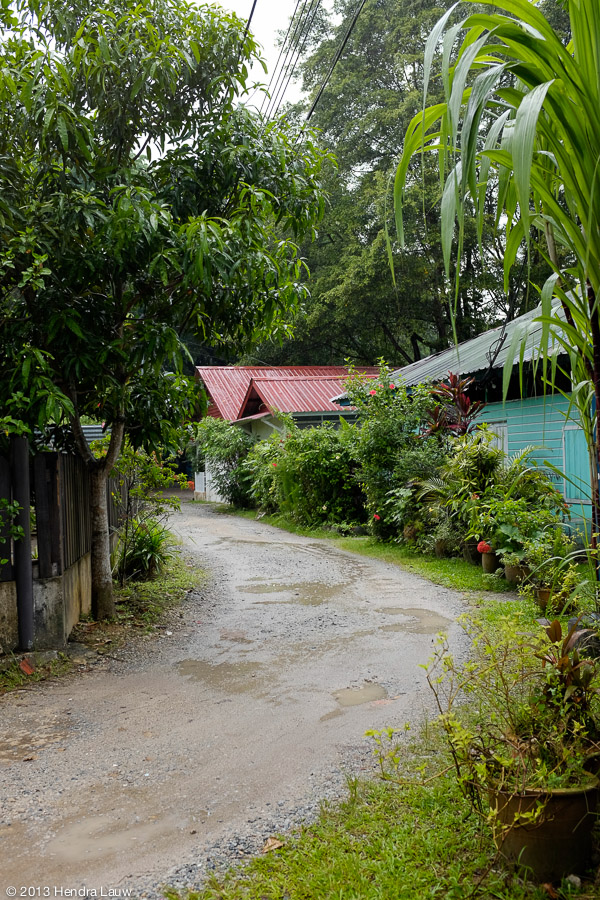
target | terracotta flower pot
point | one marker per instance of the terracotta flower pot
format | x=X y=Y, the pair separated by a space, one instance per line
x=559 y=840
x=489 y=562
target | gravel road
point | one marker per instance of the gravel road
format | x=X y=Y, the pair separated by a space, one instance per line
x=189 y=750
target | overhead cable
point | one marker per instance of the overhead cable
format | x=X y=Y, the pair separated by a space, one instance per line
x=293 y=44
x=282 y=48
x=310 y=18
x=349 y=31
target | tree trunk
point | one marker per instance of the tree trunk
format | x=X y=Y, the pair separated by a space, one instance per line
x=103 y=603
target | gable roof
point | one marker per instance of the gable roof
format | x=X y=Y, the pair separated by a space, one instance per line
x=228 y=387
x=488 y=350
x=311 y=393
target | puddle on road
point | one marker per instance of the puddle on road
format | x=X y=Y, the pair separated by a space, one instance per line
x=233 y=677
x=238 y=637
x=99 y=836
x=358 y=696
x=347 y=697
x=420 y=621
x=306 y=593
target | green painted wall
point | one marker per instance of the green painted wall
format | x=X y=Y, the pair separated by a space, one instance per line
x=549 y=425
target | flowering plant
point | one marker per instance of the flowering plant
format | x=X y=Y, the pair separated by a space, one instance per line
x=484 y=547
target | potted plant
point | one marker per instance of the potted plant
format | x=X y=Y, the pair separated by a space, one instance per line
x=489 y=559
x=522 y=721
x=552 y=575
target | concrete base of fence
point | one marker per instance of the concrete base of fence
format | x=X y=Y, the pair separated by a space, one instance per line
x=58 y=602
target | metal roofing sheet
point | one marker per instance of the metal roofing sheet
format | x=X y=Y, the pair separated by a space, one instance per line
x=292 y=395
x=491 y=348
x=228 y=385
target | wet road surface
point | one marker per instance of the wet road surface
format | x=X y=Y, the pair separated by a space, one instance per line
x=123 y=776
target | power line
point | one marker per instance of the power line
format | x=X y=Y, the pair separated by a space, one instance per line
x=349 y=31
x=248 y=23
x=292 y=20
x=299 y=53
x=295 y=40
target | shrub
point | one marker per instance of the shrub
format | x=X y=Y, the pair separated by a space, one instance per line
x=391 y=449
x=224 y=448
x=315 y=475
x=146 y=550
x=262 y=462
x=138 y=483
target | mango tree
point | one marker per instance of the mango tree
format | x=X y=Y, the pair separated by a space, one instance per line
x=138 y=200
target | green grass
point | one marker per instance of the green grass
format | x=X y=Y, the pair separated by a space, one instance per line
x=144 y=602
x=13 y=677
x=384 y=842
x=449 y=572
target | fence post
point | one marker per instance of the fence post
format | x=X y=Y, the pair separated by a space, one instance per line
x=19 y=466
x=6 y=547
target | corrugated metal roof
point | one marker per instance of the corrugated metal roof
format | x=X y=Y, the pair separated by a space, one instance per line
x=476 y=355
x=293 y=395
x=228 y=386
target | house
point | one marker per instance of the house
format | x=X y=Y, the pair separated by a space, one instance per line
x=533 y=416
x=254 y=397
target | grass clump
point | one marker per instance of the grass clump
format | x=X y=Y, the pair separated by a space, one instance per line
x=142 y=603
x=13 y=677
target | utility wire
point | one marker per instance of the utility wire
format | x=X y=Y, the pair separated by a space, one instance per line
x=282 y=48
x=299 y=53
x=248 y=23
x=294 y=42
x=349 y=31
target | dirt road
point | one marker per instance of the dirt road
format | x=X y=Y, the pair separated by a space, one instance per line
x=204 y=740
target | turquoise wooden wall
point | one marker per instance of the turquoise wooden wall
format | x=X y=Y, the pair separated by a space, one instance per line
x=551 y=427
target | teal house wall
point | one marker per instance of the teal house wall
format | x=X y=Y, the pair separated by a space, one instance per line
x=547 y=422
x=549 y=425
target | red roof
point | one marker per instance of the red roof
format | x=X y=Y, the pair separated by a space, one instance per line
x=229 y=388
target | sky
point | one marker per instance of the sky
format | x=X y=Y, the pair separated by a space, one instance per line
x=270 y=16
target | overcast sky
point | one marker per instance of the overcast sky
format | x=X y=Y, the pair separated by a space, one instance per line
x=270 y=16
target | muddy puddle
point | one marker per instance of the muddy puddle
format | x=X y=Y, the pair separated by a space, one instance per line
x=243 y=676
x=104 y=835
x=306 y=593
x=418 y=621
x=348 y=697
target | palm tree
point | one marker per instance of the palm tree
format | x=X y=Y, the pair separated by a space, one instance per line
x=519 y=134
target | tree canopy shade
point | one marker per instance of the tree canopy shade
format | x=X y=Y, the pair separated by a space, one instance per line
x=518 y=129
x=137 y=201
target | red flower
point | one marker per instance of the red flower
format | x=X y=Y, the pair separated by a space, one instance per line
x=275 y=465
x=372 y=393
x=484 y=547
x=191 y=485
x=376 y=517
x=392 y=386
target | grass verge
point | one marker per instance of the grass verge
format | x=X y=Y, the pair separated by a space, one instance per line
x=449 y=572
x=386 y=841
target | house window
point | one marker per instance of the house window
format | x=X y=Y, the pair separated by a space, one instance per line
x=500 y=430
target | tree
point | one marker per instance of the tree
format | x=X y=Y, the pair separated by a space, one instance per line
x=356 y=310
x=535 y=160
x=138 y=202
